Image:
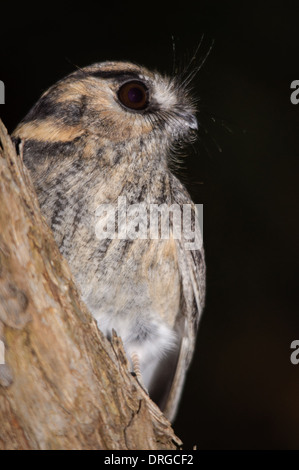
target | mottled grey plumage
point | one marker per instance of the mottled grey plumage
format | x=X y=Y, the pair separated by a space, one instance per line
x=85 y=147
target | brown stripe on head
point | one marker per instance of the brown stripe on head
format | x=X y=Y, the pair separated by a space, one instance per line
x=47 y=130
x=73 y=90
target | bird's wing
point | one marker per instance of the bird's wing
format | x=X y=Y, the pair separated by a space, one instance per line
x=192 y=272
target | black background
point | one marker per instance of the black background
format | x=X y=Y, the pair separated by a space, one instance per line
x=242 y=391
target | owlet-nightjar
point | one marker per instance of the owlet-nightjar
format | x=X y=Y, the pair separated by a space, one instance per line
x=104 y=138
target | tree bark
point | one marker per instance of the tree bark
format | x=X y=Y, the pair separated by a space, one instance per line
x=63 y=384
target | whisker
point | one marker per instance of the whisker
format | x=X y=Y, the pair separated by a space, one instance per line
x=77 y=67
x=173 y=56
x=194 y=54
x=194 y=72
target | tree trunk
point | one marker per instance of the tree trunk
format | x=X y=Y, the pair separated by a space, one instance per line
x=63 y=384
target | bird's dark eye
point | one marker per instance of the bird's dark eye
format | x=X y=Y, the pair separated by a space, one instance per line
x=133 y=95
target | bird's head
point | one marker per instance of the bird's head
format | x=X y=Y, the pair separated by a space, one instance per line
x=116 y=101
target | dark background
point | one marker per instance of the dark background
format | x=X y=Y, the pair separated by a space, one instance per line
x=242 y=391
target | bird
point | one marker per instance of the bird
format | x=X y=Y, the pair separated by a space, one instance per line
x=112 y=131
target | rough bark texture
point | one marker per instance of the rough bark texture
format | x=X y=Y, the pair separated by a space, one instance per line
x=63 y=385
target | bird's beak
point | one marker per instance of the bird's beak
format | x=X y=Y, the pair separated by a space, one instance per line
x=190 y=120
x=193 y=122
